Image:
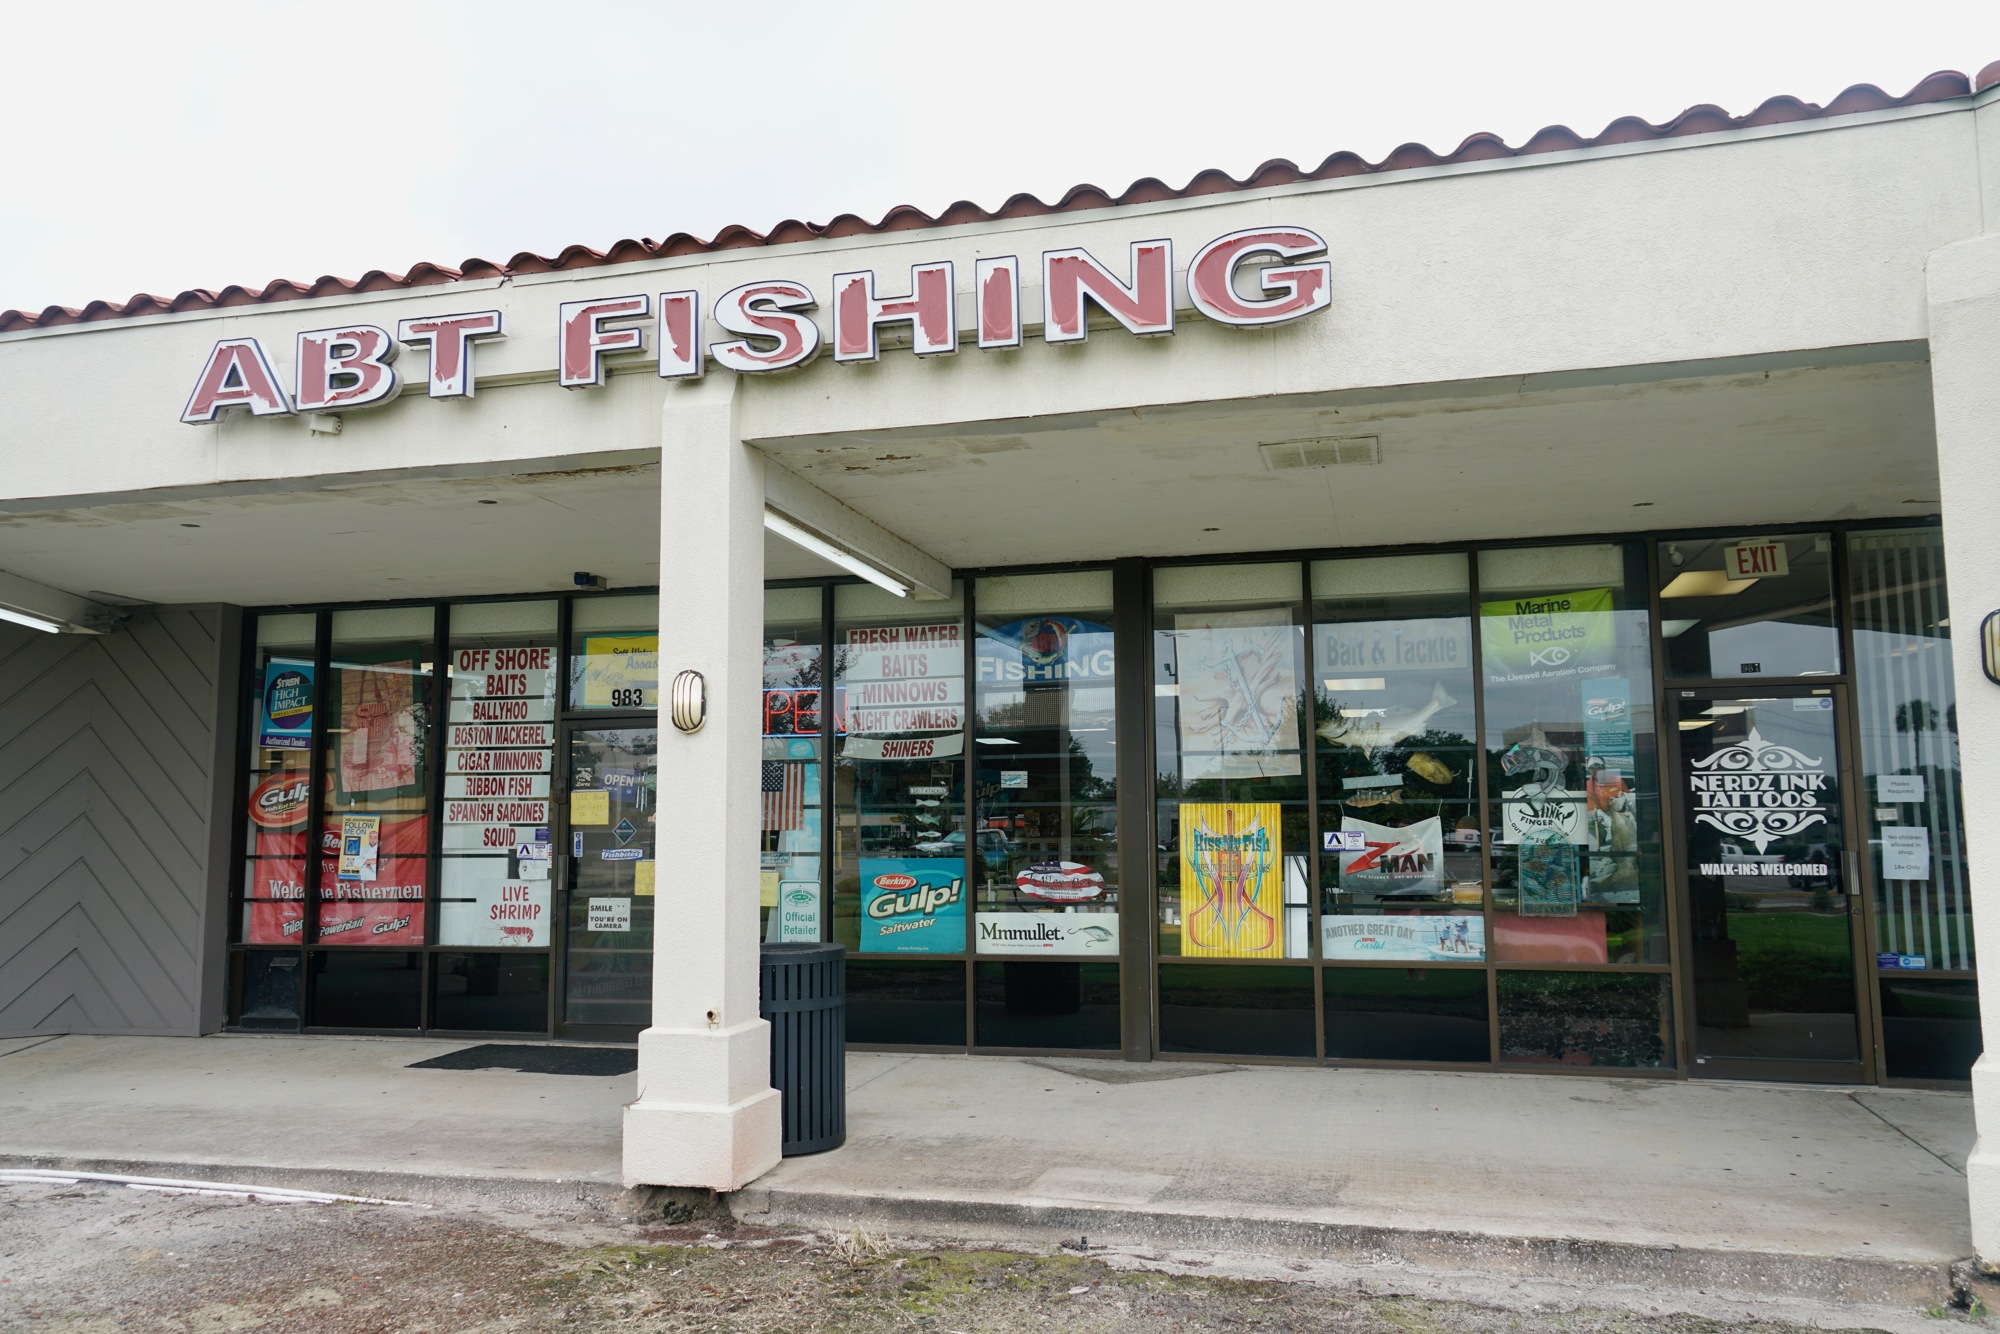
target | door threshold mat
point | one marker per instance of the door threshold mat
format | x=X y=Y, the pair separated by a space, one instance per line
x=534 y=1058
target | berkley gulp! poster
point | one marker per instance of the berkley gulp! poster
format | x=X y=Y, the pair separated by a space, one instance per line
x=1232 y=880
x=912 y=905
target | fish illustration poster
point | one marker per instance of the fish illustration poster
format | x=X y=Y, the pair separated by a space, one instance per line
x=1232 y=880
x=1239 y=696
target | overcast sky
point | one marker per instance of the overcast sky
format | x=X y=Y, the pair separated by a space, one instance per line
x=162 y=146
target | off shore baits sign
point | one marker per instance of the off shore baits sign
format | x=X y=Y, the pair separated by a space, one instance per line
x=1248 y=279
x=499 y=752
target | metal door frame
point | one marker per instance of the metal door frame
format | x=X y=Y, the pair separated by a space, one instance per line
x=559 y=893
x=1865 y=1069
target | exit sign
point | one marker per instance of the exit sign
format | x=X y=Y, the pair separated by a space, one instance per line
x=1755 y=560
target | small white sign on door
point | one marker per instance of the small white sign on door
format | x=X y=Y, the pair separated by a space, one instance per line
x=1896 y=788
x=611 y=914
x=1906 y=852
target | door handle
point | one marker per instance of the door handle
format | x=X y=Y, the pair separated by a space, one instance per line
x=1850 y=872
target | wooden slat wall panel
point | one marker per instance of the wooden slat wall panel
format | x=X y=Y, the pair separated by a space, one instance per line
x=106 y=746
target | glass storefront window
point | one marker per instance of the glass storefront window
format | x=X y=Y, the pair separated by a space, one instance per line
x=1571 y=768
x=280 y=786
x=1393 y=709
x=1229 y=723
x=615 y=652
x=790 y=775
x=901 y=861
x=1913 y=815
x=1045 y=791
x=1407 y=1014
x=1734 y=607
x=1610 y=1020
x=375 y=772
x=499 y=753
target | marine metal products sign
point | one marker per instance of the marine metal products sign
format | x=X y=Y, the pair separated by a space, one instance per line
x=1548 y=637
x=912 y=905
x=1245 y=279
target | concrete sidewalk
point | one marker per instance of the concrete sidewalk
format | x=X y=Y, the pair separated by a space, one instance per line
x=1855 y=1194
x=1852 y=1193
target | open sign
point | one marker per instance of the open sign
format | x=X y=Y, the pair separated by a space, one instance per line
x=791 y=712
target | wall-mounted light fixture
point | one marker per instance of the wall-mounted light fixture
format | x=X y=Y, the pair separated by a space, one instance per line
x=689 y=701
x=1989 y=646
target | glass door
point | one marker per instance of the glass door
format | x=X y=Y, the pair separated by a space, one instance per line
x=608 y=881
x=1769 y=886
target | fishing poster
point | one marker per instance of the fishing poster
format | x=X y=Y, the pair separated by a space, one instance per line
x=1548 y=637
x=380 y=751
x=1232 y=880
x=1238 y=696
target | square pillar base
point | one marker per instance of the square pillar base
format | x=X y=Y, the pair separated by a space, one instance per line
x=706 y=1115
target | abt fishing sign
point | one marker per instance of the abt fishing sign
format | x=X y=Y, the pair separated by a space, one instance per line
x=1248 y=279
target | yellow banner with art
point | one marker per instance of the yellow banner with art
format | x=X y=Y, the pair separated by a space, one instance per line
x=1232 y=881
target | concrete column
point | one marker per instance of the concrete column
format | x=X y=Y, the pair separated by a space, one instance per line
x=706 y=1114
x=1964 y=296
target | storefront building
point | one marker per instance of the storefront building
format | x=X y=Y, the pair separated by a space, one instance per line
x=1484 y=612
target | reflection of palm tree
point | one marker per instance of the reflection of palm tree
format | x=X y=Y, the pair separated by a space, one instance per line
x=1915 y=719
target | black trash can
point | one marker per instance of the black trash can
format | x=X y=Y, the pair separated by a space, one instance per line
x=803 y=993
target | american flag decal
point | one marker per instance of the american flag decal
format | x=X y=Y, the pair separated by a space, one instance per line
x=784 y=790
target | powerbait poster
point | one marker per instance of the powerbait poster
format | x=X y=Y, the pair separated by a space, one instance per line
x=1232 y=880
x=1410 y=939
x=288 y=706
x=388 y=910
x=912 y=905
x=1548 y=637
x=1238 y=700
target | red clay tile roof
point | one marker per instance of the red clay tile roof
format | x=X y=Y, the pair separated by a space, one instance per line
x=1703 y=119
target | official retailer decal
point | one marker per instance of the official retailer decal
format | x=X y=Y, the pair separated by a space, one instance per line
x=912 y=905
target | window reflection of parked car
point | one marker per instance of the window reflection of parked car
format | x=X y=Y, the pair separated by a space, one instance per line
x=993 y=846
